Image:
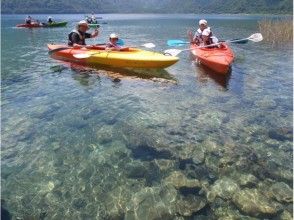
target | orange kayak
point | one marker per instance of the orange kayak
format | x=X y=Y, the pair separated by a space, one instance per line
x=217 y=59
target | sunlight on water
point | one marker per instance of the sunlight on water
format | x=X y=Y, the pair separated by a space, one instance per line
x=180 y=143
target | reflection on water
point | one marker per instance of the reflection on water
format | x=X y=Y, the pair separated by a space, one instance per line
x=203 y=74
x=102 y=143
x=161 y=75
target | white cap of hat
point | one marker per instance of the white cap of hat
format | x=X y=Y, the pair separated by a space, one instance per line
x=202 y=21
x=82 y=22
x=113 y=35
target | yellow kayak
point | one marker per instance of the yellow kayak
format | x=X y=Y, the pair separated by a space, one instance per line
x=129 y=57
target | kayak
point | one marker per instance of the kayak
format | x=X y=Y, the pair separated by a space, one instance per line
x=33 y=25
x=217 y=59
x=93 y=25
x=56 y=24
x=38 y=25
x=129 y=57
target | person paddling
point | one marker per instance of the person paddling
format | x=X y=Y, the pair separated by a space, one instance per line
x=203 y=35
x=49 y=20
x=93 y=18
x=78 y=36
x=28 y=20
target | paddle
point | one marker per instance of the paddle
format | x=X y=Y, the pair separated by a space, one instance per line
x=236 y=41
x=119 y=42
x=254 y=37
x=87 y=55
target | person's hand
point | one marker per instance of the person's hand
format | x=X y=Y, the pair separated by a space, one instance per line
x=95 y=33
x=77 y=46
x=189 y=33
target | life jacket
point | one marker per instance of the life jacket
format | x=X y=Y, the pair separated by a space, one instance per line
x=28 y=20
x=81 y=36
x=198 y=37
x=111 y=45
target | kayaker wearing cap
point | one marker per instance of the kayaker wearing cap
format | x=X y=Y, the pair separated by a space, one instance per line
x=28 y=20
x=203 y=35
x=77 y=37
x=112 y=44
x=49 y=20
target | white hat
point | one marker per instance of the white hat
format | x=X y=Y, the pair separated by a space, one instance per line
x=82 y=22
x=202 y=21
x=113 y=35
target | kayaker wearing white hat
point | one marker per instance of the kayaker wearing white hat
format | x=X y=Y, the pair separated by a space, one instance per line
x=203 y=35
x=49 y=20
x=112 y=44
x=77 y=37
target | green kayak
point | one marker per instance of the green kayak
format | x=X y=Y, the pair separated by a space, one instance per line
x=57 y=24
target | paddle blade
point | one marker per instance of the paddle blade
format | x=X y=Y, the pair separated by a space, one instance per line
x=149 y=45
x=174 y=43
x=172 y=52
x=81 y=55
x=256 y=37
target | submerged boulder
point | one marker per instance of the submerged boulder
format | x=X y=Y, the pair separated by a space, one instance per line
x=223 y=188
x=281 y=192
x=152 y=203
x=181 y=182
x=188 y=205
x=253 y=203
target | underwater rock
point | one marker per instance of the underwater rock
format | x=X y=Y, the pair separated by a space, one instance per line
x=181 y=182
x=247 y=180
x=116 y=201
x=187 y=206
x=281 y=192
x=79 y=203
x=152 y=203
x=223 y=188
x=253 y=203
x=224 y=210
x=285 y=215
x=105 y=134
x=281 y=134
x=165 y=164
x=192 y=153
x=136 y=169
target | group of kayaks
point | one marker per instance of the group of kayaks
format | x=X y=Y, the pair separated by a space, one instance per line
x=44 y=25
x=218 y=59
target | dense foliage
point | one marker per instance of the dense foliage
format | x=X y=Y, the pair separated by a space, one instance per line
x=150 y=6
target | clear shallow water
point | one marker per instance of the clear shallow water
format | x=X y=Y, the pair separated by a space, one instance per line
x=77 y=144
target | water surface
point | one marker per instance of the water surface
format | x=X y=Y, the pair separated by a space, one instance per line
x=184 y=143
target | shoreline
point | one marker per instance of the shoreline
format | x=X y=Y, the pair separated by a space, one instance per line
x=225 y=14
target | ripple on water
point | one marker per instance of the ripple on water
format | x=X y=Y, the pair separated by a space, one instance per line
x=106 y=144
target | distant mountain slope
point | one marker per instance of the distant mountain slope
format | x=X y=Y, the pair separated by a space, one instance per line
x=147 y=6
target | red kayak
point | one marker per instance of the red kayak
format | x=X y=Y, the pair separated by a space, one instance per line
x=218 y=59
x=33 y=25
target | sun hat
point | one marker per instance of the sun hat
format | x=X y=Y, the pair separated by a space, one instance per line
x=113 y=35
x=202 y=21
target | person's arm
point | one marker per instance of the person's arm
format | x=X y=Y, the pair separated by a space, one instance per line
x=95 y=33
x=190 y=35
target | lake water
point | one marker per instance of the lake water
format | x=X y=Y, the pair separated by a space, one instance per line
x=184 y=143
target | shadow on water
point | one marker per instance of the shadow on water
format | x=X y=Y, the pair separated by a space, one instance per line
x=203 y=74
x=116 y=73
